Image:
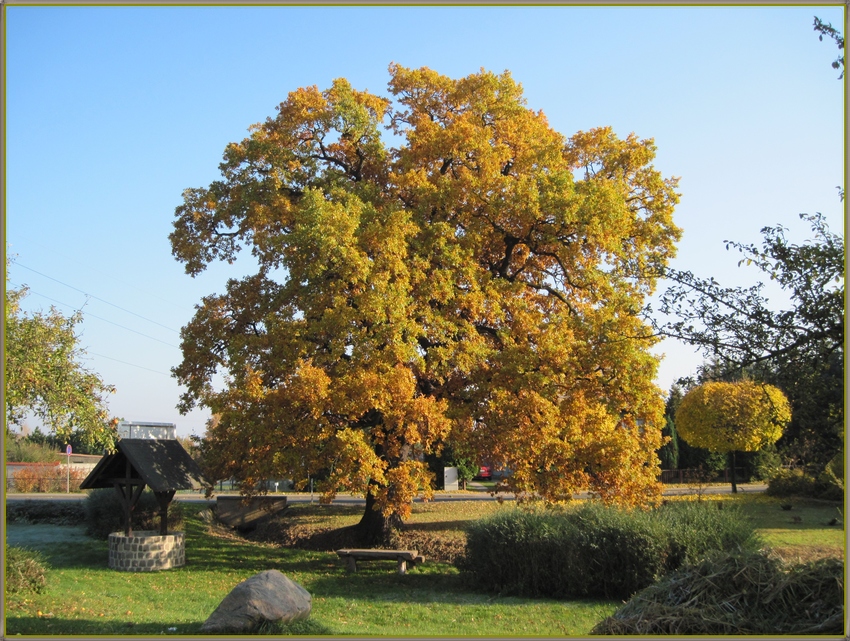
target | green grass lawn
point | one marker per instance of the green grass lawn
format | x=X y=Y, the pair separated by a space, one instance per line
x=802 y=533
x=84 y=597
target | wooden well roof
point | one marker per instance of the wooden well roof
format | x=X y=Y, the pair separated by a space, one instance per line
x=161 y=464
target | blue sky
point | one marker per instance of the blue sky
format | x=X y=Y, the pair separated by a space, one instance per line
x=111 y=112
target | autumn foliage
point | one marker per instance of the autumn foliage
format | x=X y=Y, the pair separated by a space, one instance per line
x=742 y=416
x=480 y=284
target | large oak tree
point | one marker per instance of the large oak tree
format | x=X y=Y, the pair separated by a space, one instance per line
x=480 y=283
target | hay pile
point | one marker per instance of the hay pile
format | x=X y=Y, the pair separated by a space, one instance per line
x=741 y=593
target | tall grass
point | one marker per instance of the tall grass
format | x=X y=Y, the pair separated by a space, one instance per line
x=25 y=571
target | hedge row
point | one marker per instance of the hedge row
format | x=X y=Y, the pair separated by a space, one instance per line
x=101 y=512
x=596 y=551
x=43 y=511
x=46 y=477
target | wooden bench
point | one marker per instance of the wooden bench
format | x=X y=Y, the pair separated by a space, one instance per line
x=403 y=557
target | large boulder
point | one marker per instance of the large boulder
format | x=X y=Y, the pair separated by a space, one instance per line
x=265 y=597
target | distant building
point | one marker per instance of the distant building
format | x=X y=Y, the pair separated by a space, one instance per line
x=137 y=429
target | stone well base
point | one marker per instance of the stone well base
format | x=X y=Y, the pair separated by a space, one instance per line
x=146 y=551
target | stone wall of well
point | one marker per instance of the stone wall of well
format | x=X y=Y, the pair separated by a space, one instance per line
x=146 y=551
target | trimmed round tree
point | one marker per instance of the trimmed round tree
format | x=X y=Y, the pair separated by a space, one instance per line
x=730 y=417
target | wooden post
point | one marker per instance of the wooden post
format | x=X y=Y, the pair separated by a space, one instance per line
x=164 y=498
x=129 y=496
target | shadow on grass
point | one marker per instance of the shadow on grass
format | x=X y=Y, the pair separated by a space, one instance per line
x=436 y=526
x=380 y=581
x=42 y=626
x=249 y=558
x=91 y=627
x=86 y=553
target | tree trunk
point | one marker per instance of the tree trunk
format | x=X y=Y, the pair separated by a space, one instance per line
x=734 y=480
x=374 y=529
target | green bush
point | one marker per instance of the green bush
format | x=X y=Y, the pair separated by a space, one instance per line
x=53 y=512
x=105 y=513
x=617 y=552
x=25 y=570
x=792 y=483
x=517 y=552
x=694 y=529
x=828 y=485
x=766 y=463
x=594 y=551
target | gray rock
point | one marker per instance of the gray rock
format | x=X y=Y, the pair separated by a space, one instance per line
x=265 y=597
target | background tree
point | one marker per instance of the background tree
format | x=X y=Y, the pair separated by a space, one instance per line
x=799 y=349
x=34 y=448
x=692 y=457
x=730 y=417
x=43 y=377
x=481 y=283
x=688 y=457
x=669 y=452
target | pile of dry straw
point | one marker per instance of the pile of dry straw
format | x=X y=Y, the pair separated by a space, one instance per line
x=740 y=593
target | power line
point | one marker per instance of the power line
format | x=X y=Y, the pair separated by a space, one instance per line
x=99 y=317
x=97 y=298
x=100 y=272
x=126 y=363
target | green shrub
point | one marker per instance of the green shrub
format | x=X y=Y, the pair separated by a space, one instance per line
x=747 y=593
x=53 y=512
x=515 y=552
x=105 y=513
x=694 y=529
x=593 y=550
x=828 y=485
x=792 y=483
x=25 y=570
x=617 y=551
x=766 y=463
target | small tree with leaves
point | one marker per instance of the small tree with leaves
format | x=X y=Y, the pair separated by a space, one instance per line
x=730 y=417
x=44 y=377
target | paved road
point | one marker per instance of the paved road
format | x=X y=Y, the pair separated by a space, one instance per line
x=476 y=493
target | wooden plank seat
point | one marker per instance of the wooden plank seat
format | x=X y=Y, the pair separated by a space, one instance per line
x=402 y=557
